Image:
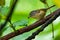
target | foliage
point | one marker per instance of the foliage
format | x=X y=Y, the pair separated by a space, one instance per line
x=20 y=18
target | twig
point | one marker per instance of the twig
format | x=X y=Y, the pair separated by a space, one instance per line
x=9 y=15
x=11 y=25
x=30 y=27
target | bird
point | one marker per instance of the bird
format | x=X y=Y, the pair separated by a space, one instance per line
x=39 y=13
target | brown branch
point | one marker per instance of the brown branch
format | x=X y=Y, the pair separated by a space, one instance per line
x=30 y=27
x=43 y=26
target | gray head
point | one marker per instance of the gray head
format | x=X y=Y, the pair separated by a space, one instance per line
x=32 y=13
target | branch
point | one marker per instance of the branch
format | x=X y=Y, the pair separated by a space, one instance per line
x=30 y=27
x=43 y=26
x=9 y=15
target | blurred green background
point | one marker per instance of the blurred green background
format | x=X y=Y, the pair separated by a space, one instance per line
x=20 y=19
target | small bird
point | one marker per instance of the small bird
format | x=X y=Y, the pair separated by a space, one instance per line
x=39 y=14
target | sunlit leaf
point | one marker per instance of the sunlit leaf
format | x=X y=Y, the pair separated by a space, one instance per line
x=57 y=3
